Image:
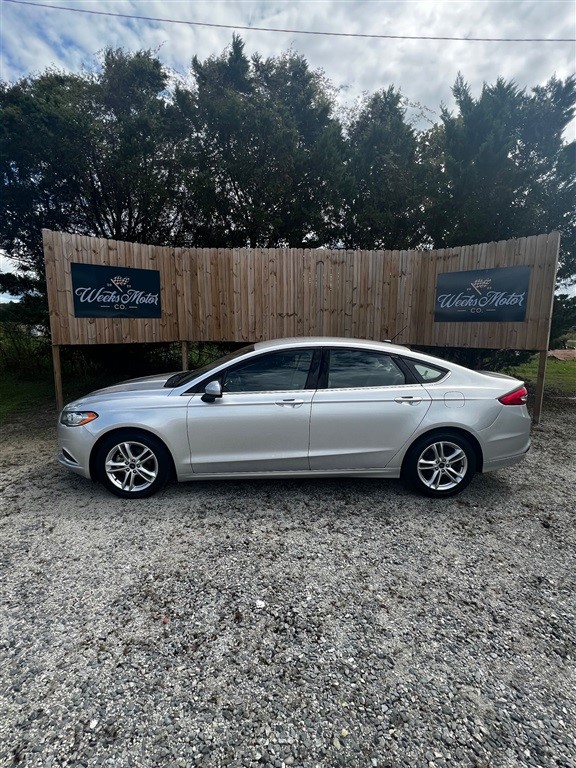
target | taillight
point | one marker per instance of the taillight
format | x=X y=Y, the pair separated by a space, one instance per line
x=517 y=397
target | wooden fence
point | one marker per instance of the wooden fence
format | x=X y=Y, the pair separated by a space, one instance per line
x=213 y=294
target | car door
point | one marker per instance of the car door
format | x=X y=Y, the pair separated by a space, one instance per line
x=364 y=411
x=262 y=421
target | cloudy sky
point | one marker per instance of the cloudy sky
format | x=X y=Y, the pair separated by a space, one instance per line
x=35 y=37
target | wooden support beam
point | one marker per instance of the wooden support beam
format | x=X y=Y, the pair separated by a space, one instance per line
x=540 y=386
x=185 y=353
x=57 y=377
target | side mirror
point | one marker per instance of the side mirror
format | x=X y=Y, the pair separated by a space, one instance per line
x=212 y=390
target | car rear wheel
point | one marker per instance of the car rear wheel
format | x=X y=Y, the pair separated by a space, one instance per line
x=440 y=465
x=132 y=464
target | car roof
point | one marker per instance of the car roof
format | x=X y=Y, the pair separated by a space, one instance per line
x=329 y=341
x=381 y=346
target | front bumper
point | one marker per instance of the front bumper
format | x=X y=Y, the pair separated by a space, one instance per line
x=74 y=448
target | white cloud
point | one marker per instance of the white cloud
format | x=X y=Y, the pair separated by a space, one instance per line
x=7 y=265
x=34 y=38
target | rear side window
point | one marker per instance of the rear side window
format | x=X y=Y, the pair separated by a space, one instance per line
x=355 y=368
x=424 y=372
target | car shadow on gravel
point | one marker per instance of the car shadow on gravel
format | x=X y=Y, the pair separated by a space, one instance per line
x=298 y=499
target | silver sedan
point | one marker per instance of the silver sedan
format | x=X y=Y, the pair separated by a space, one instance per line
x=310 y=407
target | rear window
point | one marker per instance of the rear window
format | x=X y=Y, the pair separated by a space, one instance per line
x=425 y=372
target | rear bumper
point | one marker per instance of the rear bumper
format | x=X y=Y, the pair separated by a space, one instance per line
x=504 y=461
x=507 y=440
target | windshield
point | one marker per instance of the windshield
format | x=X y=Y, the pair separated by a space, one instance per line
x=183 y=377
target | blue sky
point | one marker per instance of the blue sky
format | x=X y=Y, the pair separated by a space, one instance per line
x=33 y=38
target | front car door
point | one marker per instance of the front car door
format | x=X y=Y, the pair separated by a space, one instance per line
x=262 y=421
x=364 y=411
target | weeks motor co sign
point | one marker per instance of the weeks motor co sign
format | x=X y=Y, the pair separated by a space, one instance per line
x=482 y=295
x=102 y=291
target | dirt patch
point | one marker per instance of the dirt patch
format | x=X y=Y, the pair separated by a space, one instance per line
x=563 y=354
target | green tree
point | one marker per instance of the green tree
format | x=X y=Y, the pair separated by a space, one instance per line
x=563 y=318
x=267 y=147
x=499 y=167
x=381 y=206
x=101 y=154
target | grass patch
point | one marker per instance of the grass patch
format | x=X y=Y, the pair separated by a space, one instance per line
x=560 y=375
x=20 y=397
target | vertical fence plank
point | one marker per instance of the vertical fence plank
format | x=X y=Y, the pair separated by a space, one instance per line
x=548 y=247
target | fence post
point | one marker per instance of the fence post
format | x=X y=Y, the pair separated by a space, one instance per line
x=57 y=377
x=540 y=386
x=185 y=352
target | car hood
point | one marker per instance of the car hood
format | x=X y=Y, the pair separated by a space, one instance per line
x=133 y=388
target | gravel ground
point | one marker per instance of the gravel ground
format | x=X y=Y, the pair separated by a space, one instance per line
x=326 y=623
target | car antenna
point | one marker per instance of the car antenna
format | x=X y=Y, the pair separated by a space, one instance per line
x=398 y=334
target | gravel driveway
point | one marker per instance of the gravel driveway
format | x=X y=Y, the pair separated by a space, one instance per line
x=317 y=623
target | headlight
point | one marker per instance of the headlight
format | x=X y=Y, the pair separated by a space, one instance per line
x=77 y=418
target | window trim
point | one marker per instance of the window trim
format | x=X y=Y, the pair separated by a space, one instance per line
x=311 y=379
x=325 y=368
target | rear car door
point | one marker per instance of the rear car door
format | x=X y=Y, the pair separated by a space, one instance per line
x=365 y=412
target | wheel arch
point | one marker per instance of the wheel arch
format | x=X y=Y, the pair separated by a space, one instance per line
x=133 y=431
x=474 y=443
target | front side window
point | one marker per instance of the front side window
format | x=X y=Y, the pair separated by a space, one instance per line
x=183 y=377
x=277 y=371
x=353 y=368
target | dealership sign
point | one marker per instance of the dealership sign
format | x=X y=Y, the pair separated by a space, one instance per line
x=482 y=295
x=101 y=291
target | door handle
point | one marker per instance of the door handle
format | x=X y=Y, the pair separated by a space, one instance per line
x=408 y=399
x=290 y=403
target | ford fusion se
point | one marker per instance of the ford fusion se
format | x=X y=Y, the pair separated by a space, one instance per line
x=309 y=407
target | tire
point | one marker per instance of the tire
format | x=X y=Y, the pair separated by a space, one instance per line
x=132 y=464
x=439 y=465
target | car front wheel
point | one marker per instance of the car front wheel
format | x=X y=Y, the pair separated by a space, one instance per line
x=132 y=464
x=440 y=465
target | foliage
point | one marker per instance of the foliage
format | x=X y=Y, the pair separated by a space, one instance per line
x=381 y=199
x=499 y=167
x=479 y=359
x=560 y=375
x=250 y=152
x=96 y=154
x=26 y=376
x=128 y=361
x=563 y=319
x=268 y=152
x=18 y=397
x=22 y=352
